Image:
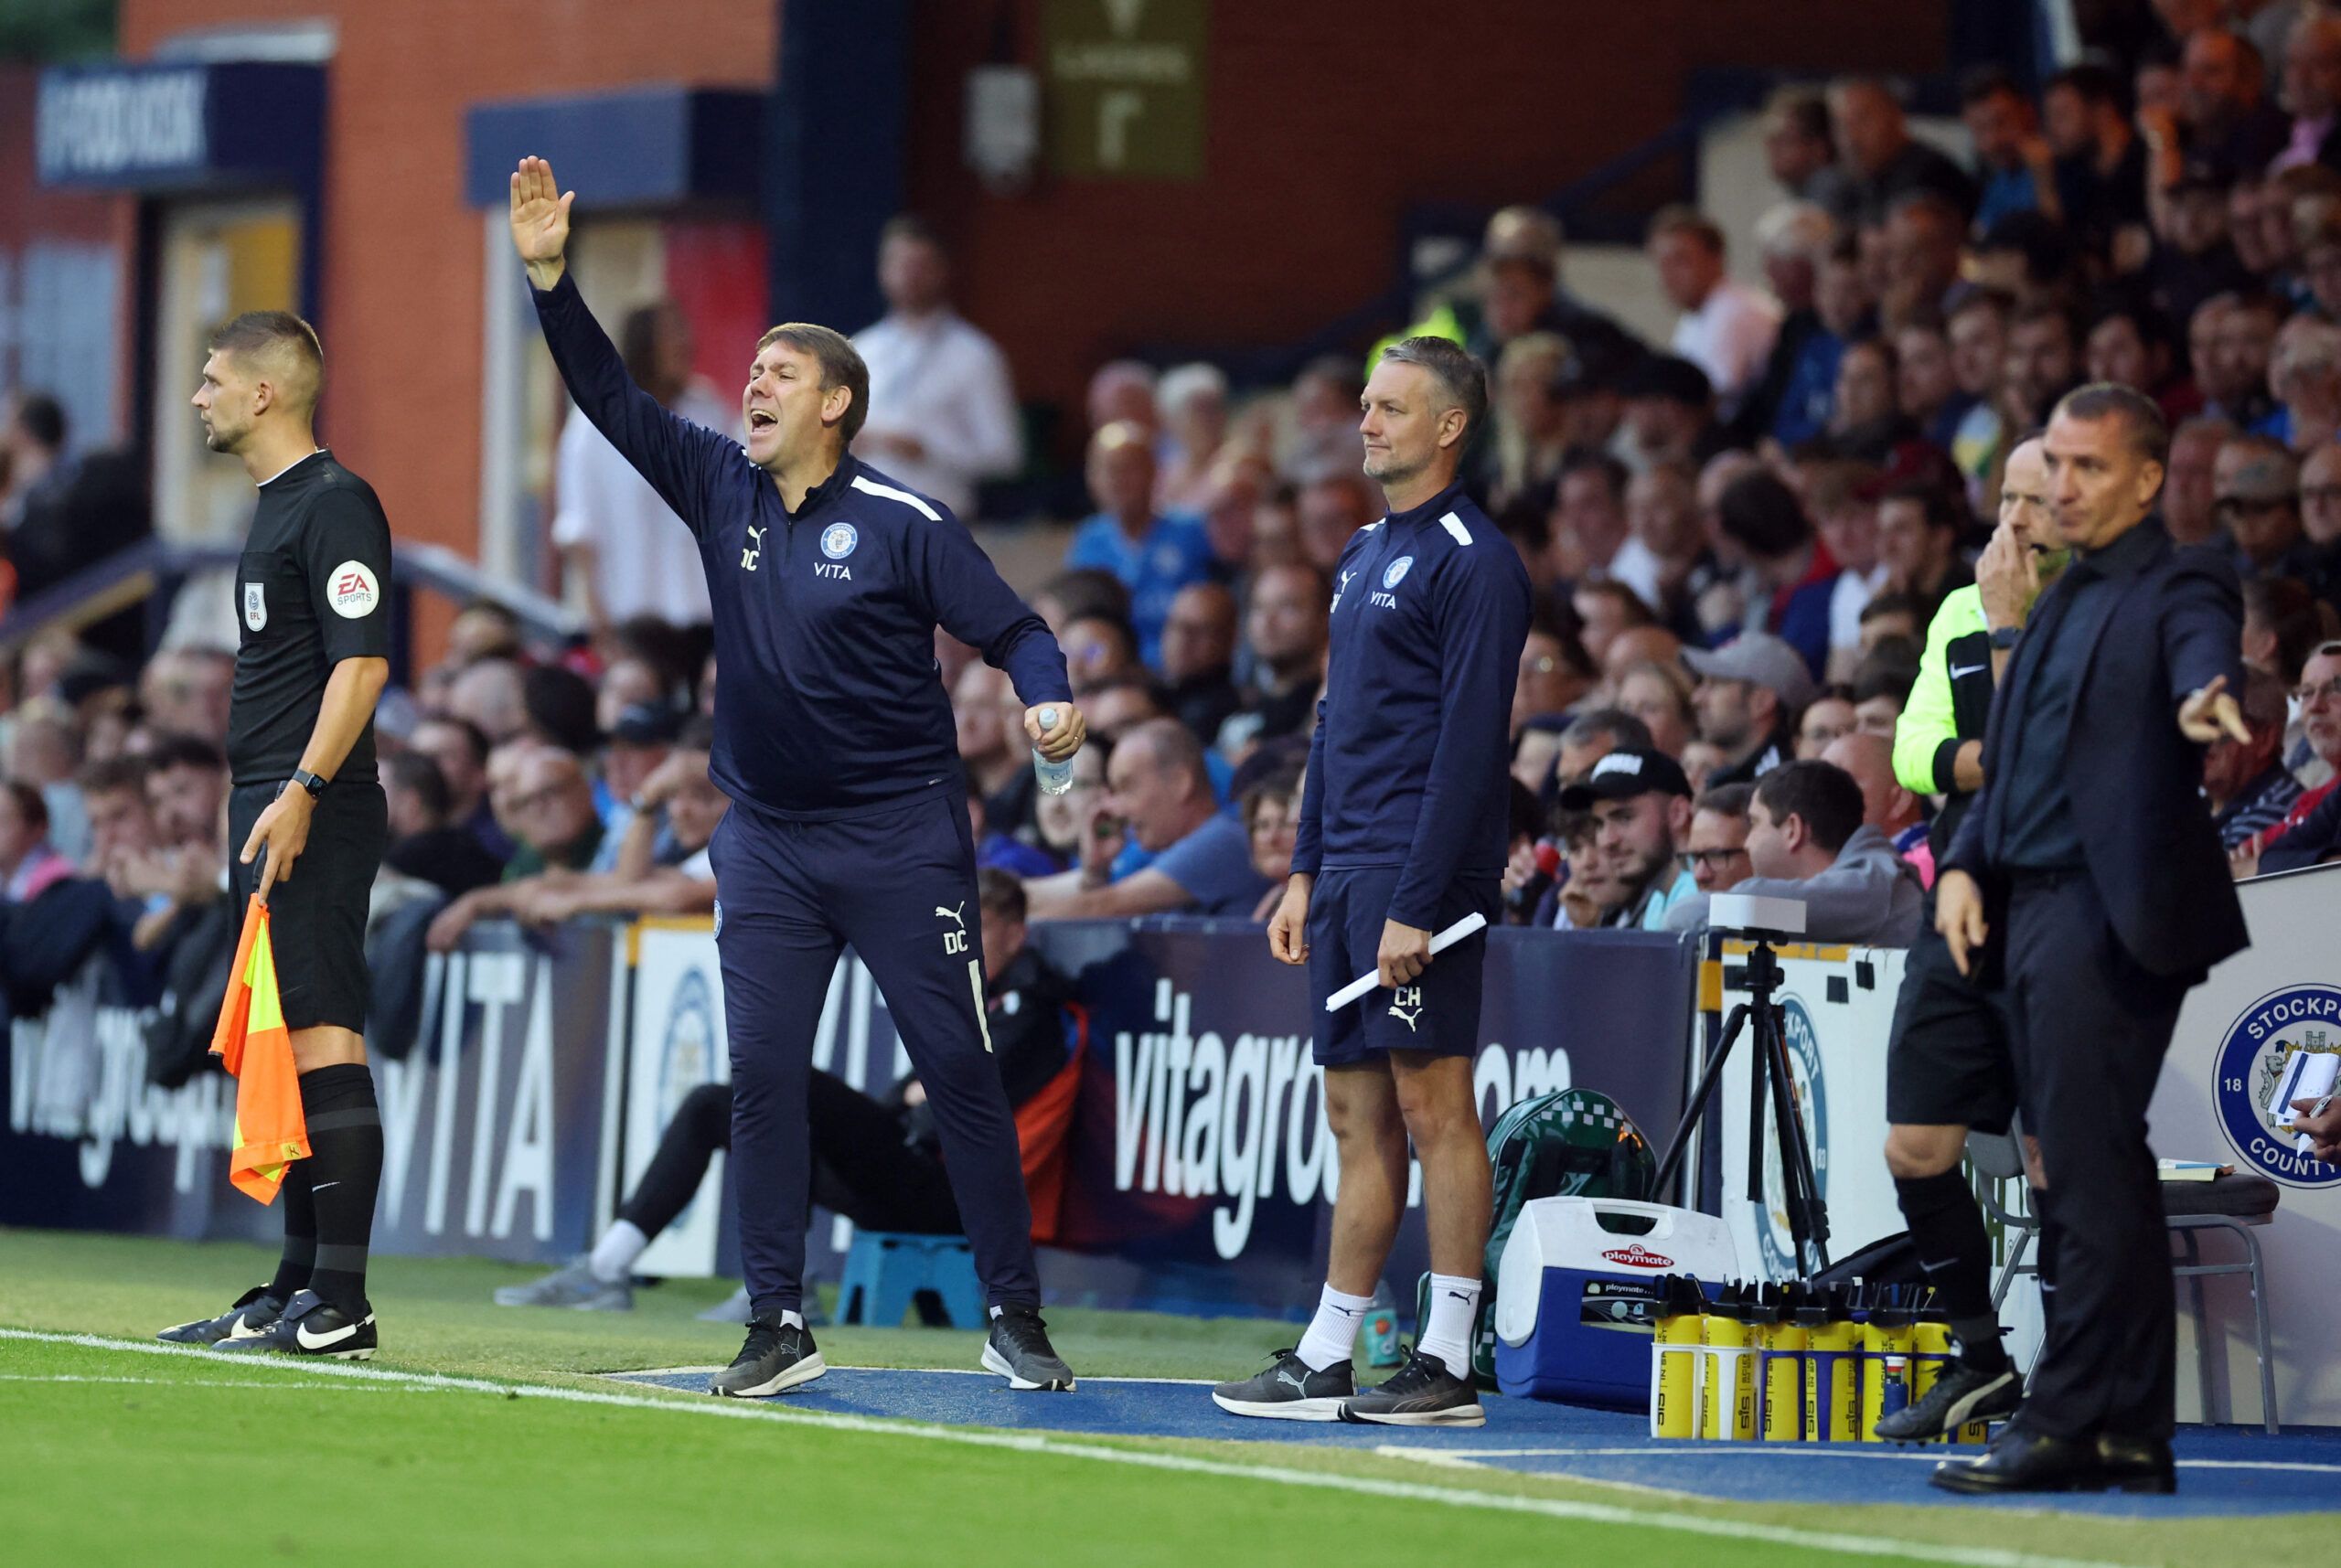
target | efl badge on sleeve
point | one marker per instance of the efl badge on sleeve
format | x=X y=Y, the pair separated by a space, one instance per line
x=255 y=605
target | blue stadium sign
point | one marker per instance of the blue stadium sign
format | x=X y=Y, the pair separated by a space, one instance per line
x=171 y=126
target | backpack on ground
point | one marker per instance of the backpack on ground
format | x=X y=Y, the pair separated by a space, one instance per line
x=1571 y=1143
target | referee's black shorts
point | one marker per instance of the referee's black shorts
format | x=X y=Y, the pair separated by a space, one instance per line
x=318 y=918
x=1947 y=1063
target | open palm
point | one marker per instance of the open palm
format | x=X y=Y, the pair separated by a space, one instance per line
x=539 y=213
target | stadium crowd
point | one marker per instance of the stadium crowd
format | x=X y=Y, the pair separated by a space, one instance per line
x=1741 y=539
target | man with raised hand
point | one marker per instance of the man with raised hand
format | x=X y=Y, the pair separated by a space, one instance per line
x=1403 y=830
x=834 y=739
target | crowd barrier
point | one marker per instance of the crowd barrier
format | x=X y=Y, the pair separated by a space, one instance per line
x=1200 y=1167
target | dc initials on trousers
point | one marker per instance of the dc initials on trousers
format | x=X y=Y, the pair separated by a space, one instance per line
x=899 y=887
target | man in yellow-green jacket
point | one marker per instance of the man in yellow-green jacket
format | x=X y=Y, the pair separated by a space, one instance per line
x=1948 y=1067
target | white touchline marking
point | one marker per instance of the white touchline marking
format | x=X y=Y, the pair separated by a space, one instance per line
x=1836 y=1542
x=159 y=1382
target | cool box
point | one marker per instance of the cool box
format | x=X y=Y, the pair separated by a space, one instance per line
x=1576 y=1289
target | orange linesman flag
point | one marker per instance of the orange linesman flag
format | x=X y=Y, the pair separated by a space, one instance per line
x=255 y=1047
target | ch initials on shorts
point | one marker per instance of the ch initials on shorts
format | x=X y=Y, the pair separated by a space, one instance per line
x=1407 y=1005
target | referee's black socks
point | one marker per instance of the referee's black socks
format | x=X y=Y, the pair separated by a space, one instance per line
x=1947 y=1228
x=300 y=1257
x=345 y=1172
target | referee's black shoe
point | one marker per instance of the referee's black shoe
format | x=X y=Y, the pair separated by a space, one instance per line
x=2137 y=1463
x=1961 y=1395
x=2021 y=1461
x=248 y=1320
x=775 y=1357
x=1423 y=1393
x=312 y=1326
x=1019 y=1351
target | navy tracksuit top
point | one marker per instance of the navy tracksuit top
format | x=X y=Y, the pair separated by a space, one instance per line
x=828 y=700
x=1410 y=763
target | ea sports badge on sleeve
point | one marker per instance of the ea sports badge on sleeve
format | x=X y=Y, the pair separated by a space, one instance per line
x=352 y=591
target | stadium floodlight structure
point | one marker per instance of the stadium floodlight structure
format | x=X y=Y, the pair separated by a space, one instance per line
x=1761 y=921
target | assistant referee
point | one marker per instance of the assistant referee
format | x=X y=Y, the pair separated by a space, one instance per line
x=311 y=660
x=835 y=741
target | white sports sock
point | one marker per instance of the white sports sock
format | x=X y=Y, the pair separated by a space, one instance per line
x=612 y=1259
x=1332 y=1333
x=1454 y=1302
x=792 y=1319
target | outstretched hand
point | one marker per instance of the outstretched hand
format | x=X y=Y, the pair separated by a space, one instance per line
x=2209 y=714
x=540 y=221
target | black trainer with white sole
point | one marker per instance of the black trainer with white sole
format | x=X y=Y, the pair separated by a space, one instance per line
x=775 y=1357
x=1959 y=1395
x=248 y=1320
x=1288 y=1390
x=1423 y=1393
x=312 y=1326
x=1019 y=1351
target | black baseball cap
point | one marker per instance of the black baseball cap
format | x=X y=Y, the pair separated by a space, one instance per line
x=1624 y=773
x=647 y=724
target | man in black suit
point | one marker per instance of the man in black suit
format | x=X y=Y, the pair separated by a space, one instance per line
x=2088 y=883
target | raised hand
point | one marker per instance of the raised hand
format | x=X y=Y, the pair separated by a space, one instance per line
x=2007 y=579
x=540 y=221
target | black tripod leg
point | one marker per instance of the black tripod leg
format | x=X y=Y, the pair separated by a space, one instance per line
x=1759 y=1068
x=1698 y=1103
x=1807 y=1214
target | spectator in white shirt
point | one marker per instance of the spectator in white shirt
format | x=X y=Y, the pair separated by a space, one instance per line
x=1726 y=329
x=632 y=554
x=942 y=411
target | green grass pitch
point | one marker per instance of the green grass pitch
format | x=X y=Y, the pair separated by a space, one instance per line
x=473 y=1446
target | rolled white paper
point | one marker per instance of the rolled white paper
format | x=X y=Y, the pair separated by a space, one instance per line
x=1372 y=977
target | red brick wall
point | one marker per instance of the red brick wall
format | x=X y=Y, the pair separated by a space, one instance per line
x=1326 y=120
x=28 y=210
x=402 y=252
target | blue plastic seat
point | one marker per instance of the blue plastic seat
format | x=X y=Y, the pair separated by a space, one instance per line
x=887 y=1274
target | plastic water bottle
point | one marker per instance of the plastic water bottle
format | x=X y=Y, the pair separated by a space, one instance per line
x=1054 y=778
x=1379 y=1333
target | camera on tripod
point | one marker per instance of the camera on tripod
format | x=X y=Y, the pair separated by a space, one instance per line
x=1761 y=921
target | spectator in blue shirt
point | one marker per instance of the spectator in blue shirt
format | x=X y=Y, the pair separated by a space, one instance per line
x=1158 y=792
x=1154 y=555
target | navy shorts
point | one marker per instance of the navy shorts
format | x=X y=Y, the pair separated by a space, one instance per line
x=1438 y=1014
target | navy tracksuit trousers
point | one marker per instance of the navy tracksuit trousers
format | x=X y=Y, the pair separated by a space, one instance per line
x=899 y=888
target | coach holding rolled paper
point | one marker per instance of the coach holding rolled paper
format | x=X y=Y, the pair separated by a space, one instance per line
x=1405 y=824
x=2088 y=884
x=835 y=741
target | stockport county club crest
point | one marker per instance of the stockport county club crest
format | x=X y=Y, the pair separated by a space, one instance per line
x=2252 y=1063
x=838 y=540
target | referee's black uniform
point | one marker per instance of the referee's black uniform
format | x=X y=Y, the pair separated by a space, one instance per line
x=312 y=590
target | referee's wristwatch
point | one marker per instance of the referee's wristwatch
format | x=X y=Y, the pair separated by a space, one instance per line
x=308 y=780
x=2004 y=637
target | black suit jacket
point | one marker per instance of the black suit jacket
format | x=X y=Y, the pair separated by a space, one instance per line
x=2133 y=780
